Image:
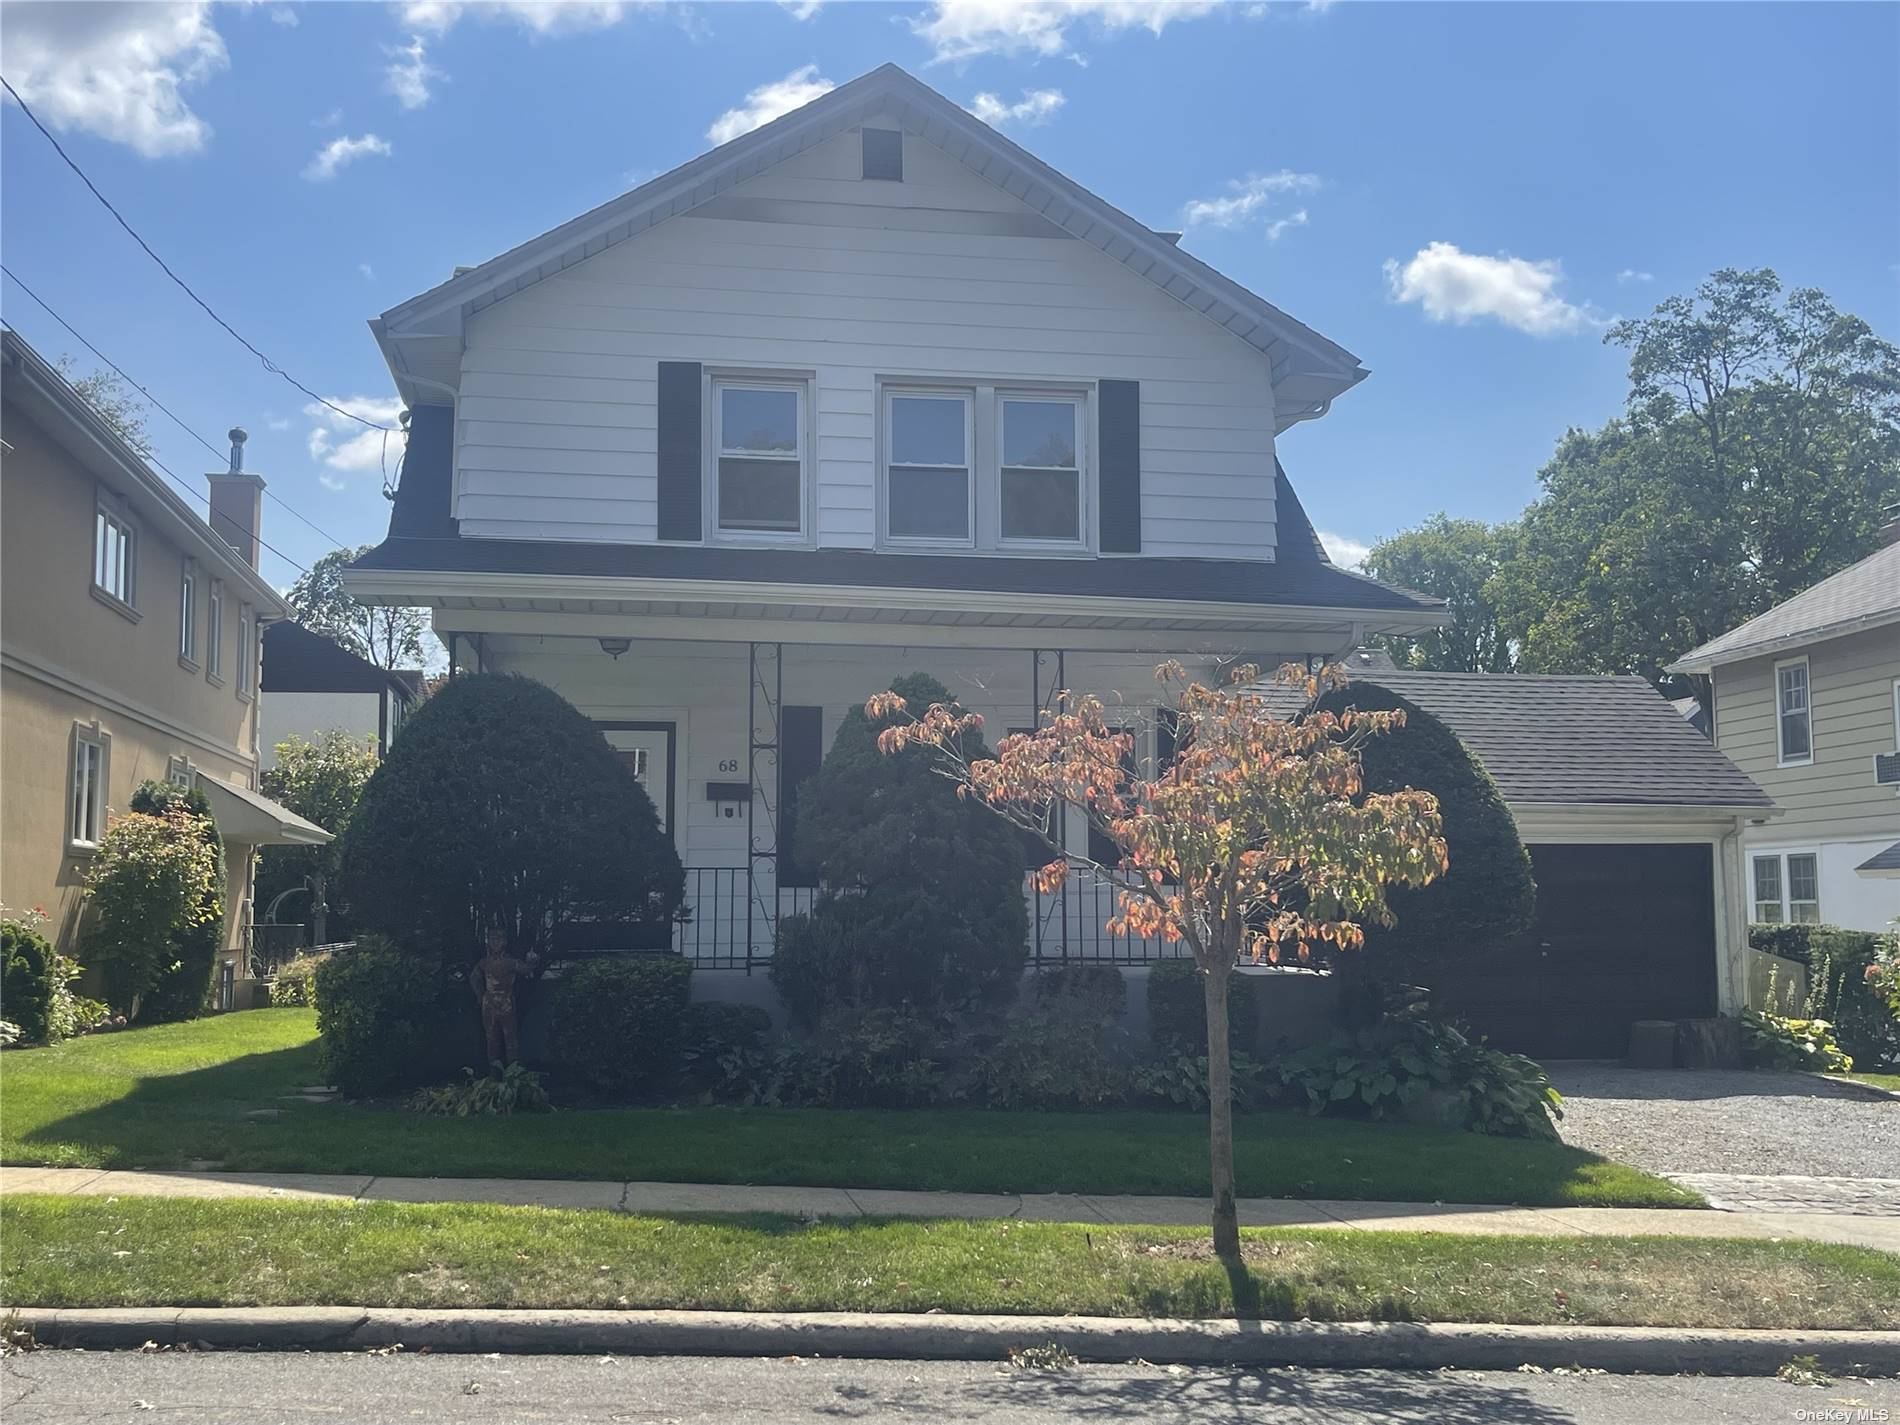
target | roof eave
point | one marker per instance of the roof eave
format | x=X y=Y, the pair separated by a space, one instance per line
x=1696 y=661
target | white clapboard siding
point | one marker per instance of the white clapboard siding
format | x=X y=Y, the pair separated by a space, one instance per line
x=806 y=267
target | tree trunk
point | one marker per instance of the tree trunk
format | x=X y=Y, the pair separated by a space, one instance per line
x=1220 y=1113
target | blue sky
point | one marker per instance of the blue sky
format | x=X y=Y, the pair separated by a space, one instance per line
x=1463 y=195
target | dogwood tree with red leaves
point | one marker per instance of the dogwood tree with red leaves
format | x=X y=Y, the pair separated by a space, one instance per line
x=1257 y=841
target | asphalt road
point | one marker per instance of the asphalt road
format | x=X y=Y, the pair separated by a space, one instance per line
x=263 y=1389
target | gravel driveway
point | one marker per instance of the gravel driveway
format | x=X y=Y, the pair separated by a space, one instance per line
x=1728 y=1121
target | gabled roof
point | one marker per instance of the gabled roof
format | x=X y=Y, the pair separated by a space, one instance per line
x=1862 y=596
x=1308 y=370
x=1550 y=740
x=1881 y=863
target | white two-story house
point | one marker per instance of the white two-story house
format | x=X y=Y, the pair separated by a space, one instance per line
x=867 y=391
x=872 y=391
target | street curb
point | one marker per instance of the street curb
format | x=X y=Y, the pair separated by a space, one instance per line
x=1342 y=1345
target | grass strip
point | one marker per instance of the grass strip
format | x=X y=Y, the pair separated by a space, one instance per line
x=221 y=1092
x=66 y=1251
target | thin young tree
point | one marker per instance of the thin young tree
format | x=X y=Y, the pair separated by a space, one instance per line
x=1257 y=840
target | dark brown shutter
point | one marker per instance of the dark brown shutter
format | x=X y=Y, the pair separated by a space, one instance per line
x=1118 y=442
x=680 y=462
x=801 y=748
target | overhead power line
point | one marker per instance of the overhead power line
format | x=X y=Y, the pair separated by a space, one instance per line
x=205 y=500
x=179 y=420
x=183 y=286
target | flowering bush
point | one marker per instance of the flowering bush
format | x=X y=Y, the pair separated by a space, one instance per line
x=1883 y=975
x=152 y=882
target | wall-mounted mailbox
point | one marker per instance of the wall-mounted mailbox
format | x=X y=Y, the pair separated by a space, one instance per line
x=728 y=792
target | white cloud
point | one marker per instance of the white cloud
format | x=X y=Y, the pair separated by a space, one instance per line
x=285 y=16
x=1631 y=274
x=340 y=153
x=1247 y=199
x=365 y=269
x=963 y=29
x=768 y=101
x=329 y=120
x=330 y=482
x=541 y=17
x=1037 y=106
x=1280 y=225
x=1457 y=286
x=801 y=9
x=408 y=74
x=278 y=422
x=341 y=444
x=116 y=70
x=1346 y=553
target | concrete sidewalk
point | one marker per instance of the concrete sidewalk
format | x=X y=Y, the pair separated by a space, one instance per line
x=1863 y=1231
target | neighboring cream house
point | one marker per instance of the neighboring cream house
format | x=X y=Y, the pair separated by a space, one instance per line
x=129 y=646
x=1807 y=702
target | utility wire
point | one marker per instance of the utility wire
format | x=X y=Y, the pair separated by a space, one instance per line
x=204 y=500
x=185 y=287
x=14 y=278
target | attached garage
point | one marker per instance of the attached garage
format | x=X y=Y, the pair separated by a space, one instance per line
x=1633 y=823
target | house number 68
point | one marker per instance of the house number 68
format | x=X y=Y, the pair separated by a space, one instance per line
x=730 y=764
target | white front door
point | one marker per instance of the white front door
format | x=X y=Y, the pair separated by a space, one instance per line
x=646 y=750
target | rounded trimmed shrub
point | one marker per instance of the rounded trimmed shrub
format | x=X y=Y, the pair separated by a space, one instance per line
x=618 y=1023
x=392 y=1020
x=502 y=805
x=30 y=981
x=926 y=907
x=1486 y=895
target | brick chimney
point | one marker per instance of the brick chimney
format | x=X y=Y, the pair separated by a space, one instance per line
x=237 y=503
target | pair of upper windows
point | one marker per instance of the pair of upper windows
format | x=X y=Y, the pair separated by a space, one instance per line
x=939 y=484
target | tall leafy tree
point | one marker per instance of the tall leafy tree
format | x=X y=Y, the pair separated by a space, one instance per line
x=1760 y=445
x=388 y=637
x=1455 y=560
x=111 y=402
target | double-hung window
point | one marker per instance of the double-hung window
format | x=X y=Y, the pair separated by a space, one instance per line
x=1041 y=476
x=214 y=632
x=985 y=468
x=86 y=813
x=113 y=565
x=759 y=437
x=188 y=615
x=928 y=489
x=1787 y=888
x=1794 y=713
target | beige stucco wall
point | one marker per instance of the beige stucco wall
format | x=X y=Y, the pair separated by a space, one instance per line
x=71 y=658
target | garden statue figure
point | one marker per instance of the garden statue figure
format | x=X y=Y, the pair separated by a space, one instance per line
x=493 y=981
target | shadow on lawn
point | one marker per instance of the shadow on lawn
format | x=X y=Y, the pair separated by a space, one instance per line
x=174 y=1119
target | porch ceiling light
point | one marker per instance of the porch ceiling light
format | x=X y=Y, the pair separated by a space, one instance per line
x=614 y=647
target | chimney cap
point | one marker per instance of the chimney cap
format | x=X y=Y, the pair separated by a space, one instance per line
x=238 y=436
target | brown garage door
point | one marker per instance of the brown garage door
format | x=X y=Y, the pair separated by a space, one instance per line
x=1623 y=932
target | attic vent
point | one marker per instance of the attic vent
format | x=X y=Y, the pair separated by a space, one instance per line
x=884 y=154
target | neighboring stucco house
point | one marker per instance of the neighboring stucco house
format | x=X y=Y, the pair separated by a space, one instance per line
x=1807 y=702
x=314 y=685
x=870 y=390
x=129 y=638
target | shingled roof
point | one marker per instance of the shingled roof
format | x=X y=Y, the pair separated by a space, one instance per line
x=1578 y=741
x=1861 y=596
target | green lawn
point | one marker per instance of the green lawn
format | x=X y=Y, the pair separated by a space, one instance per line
x=183 y=1095
x=175 y=1252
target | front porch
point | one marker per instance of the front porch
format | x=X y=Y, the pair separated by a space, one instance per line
x=722 y=732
